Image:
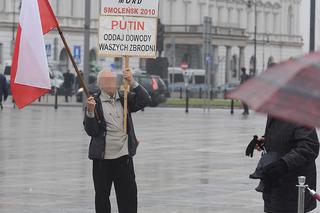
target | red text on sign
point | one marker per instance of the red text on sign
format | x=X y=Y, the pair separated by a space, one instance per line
x=127 y=25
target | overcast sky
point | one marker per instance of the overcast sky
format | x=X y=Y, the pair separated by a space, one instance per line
x=305 y=22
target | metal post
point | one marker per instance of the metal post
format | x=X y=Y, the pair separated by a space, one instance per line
x=187 y=99
x=263 y=53
x=86 y=65
x=55 y=98
x=301 y=193
x=207 y=56
x=255 y=37
x=173 y=52
x=232 y=107
x=312 y=24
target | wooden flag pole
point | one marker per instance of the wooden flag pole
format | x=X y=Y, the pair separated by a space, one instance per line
x=126 y=91
x=82 y=83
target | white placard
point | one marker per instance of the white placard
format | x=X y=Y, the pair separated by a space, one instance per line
x=141 y=8
x=127 y=36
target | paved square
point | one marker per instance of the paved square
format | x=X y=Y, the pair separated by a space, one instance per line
x=191 y=163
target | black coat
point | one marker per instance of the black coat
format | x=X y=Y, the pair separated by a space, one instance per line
x=137 y=100
x=3 y=87
x=299 y=147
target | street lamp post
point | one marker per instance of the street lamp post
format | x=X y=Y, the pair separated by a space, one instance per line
x=250 y=2
x=13 y=25
x=312 y=24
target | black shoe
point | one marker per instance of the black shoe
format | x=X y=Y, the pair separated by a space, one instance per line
x=1 y=106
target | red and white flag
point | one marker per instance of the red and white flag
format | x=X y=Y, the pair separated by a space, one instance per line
x=30 y=77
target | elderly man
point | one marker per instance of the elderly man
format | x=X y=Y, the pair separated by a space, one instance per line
x=111 y=149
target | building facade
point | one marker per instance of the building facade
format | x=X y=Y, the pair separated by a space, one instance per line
x=233 y=21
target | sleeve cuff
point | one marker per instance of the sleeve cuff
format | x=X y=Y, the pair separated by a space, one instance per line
x=90 y=114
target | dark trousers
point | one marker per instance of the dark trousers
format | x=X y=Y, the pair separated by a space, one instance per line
x=1 y=106
x=67 y=93
x=245 y=108
x=120 y=172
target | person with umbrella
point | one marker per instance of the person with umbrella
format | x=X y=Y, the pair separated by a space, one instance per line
x=295 y=149
x=289 y=93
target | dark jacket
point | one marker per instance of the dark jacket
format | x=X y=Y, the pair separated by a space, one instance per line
x=137 y=100
x=3 y=87
x=299 y=147
x=244 y=77
x=68 y=80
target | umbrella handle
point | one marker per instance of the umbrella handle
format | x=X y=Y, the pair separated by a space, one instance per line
x=314 y=194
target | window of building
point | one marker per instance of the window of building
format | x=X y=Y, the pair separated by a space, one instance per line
x=211 y=8
x=201 y=13
x=178 y=78
x=64 y=8
x=2 y=5
x=239 y=17
x=275 y=23
x=290 y=21
x=230 y=10
x=252 y=70
x=260 y=23
x=199 y=79
x=266 y=22
x=249 y=21
x=220 y=15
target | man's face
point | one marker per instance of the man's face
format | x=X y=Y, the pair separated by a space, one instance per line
x=108 y=83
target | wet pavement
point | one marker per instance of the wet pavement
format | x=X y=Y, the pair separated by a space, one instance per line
x=191 y=163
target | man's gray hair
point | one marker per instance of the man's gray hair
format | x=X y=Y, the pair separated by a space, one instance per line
x=100 y=74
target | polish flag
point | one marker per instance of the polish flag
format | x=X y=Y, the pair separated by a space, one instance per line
x=30 y=77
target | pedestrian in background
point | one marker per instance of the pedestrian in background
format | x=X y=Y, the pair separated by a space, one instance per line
x=111 y=149
x=68 y=84
x=3 y=89
x=243 y=78
x=77 y=84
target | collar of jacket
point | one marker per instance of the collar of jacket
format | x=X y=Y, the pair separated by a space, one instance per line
x=99 y=104
x=104 y=97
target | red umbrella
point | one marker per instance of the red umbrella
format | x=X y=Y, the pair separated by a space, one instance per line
x=289 y=90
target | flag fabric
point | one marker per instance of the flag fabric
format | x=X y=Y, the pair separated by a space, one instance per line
x=30 y=77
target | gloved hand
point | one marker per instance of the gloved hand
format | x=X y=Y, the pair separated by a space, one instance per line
x=273 y=173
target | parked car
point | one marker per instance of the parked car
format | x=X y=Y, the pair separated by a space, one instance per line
x=228 y=87
x=163 y=89
x=223 y=89
x=155 y=86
